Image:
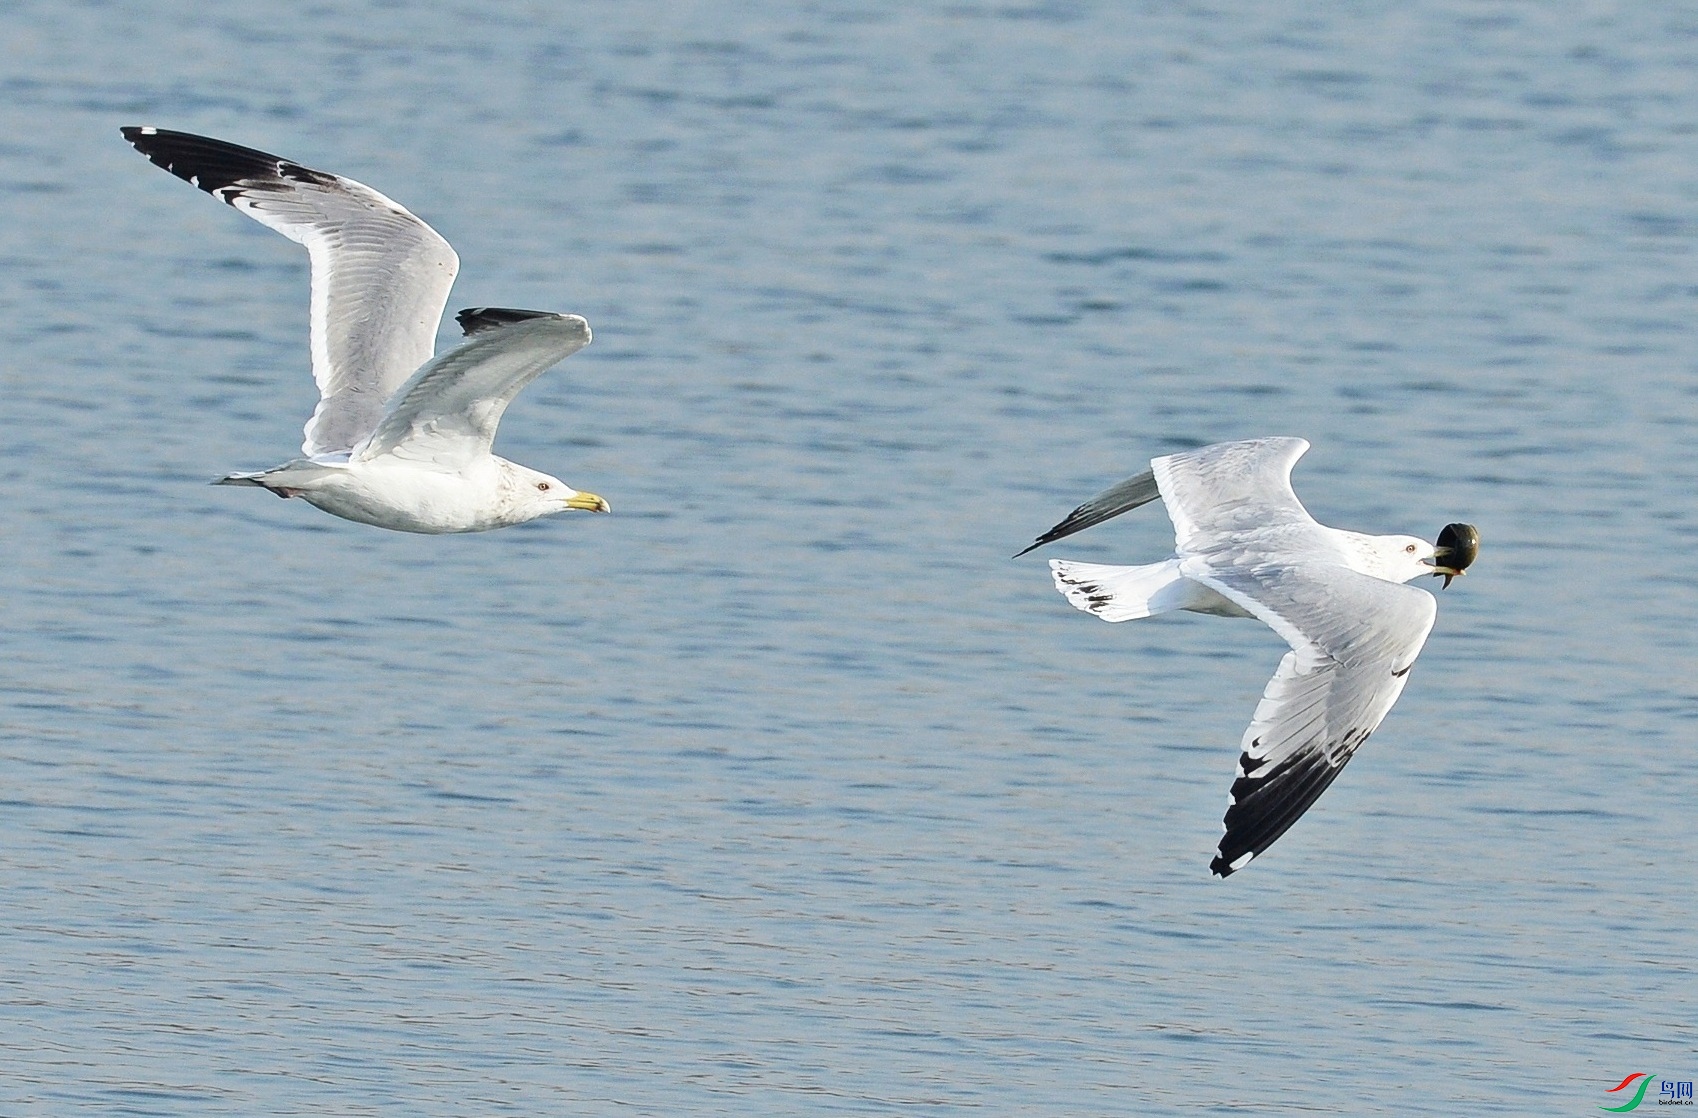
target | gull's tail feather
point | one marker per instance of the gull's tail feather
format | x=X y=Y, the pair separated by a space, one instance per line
x=291 y=479
x=259 y=480
x=243 y=479
x=1123 y=593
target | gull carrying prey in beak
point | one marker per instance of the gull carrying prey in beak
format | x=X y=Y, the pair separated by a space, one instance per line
x=400 y=439
x=1246 y=547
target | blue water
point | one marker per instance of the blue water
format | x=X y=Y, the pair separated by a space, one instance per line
x=783 y=790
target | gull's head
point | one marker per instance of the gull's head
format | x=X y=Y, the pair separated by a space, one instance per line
x=1458 y=547
x=1401 y=558
x=532 y=493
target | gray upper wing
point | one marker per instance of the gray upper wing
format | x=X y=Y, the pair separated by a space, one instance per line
x=447 y=414
x=1218 y=493
x=380 y=276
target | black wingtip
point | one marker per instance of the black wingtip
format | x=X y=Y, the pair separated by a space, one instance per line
x=214 y=165
x=475 y=320
x=1073 y=523
x=1264 y=805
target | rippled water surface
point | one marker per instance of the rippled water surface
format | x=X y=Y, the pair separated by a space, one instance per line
x=783 y=790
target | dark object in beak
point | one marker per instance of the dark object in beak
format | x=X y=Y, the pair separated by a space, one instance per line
x=1457 y=548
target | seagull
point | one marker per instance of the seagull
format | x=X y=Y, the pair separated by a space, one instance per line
x=400 y=438
x=1246 y=547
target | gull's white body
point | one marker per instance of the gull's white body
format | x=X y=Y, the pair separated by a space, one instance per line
x=1246 y=547
x=400 y=439
x=391 y=493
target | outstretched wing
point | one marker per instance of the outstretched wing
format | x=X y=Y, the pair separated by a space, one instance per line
x=1111 y=502
x=447 y=414
x=1353 y=640
x=1218 y=493
x=380 y=276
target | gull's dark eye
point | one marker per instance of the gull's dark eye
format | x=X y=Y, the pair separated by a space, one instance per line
x=1410 y=549
x=543 y=487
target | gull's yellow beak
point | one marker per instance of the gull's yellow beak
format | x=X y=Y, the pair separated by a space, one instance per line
x=588 y=502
